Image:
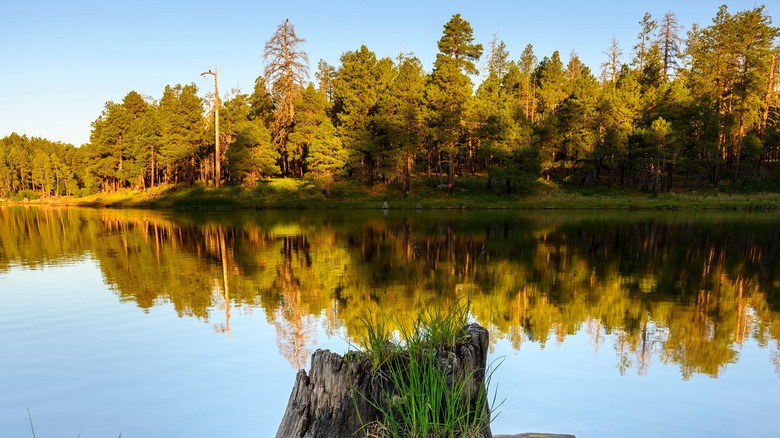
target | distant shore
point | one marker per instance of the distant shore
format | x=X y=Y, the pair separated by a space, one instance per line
x=286 y=193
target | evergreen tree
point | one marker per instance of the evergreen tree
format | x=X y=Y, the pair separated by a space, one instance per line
x=251 y=155
x=553 y=87
x=327 y=156
x=644 y=44
x=359 y=82
x=730 y=70
x=181 y=122
x=261 y=103
x=311 y=112
x=579 y=124
x=399 y=121
x=450 y=88
x=528 y=97
x=325 y=75
x=457 y=43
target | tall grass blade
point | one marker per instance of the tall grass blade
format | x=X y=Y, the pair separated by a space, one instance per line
x=31 y=422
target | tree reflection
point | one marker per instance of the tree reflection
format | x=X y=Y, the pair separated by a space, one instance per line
x=656 y=288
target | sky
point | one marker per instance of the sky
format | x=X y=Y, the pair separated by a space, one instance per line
x=63 y=60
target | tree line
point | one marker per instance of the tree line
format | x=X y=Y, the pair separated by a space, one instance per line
x=686 y=110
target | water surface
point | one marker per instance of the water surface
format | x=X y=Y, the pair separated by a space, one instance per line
x=151 y=323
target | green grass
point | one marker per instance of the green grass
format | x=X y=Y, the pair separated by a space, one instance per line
x=470 y=192
x=424 y=399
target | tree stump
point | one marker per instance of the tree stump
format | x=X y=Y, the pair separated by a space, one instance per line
x=333 y=400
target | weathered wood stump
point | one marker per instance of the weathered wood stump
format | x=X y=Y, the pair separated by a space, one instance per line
x=334 y=399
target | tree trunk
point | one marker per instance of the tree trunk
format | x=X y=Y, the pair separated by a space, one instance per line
x=451 y=169
x=333 y=399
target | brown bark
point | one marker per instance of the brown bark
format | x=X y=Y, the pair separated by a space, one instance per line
x=333 y=399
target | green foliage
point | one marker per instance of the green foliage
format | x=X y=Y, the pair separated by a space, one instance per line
x=717 y=90
x=425 y=400
x=181 y=117
x=252 y=155
x=327 y=155
x=359 y=82
x=457 y=43
x=399 y=122
x=310 y=113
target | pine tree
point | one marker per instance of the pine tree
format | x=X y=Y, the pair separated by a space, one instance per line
x=287 y=69
x=181 y=122
x=729 y=75
x=399 y=121
x=644 y=44
x=527 y=66
x=251 y=155
x=359 y=82
x=450 y=88
x=669 y=41
x=325 y=75
x=327 y=156
x=311 y=112
x=261 y=103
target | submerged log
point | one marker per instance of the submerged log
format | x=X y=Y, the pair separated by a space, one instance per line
x=342 y=395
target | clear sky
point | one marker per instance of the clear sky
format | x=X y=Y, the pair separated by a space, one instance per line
x=62 y=60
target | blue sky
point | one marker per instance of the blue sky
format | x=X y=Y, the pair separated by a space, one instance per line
x=62 y=60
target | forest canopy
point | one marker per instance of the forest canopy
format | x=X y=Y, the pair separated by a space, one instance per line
x=674 y=109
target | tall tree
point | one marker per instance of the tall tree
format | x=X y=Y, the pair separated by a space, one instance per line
x=645 y=37
x=450 y=87
x=527 y=66
x=669 y=41
x=311 y=112
x=181 y=122
x=399 y=121
x=325 y=74
x=553 y=87
x=287 y=69
x=261 y=103
x=731 y=62
x=457 y=43
x=611 y=66
x=579 y=123
x=359 y=82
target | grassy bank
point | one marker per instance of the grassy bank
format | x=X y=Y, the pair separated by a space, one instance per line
x=471 y=193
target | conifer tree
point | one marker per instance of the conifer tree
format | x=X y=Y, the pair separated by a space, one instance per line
x=311 y=112
x=669 y=41
x=644 y=44
x=359 y=82
x=327 y=156
x=399 y=121
x=450 y=88
x=287 y=69
x=528 y=63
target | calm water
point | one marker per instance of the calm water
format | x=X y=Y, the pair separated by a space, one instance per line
x=151 y=323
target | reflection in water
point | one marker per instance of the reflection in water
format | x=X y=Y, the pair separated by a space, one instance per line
x=667 y=288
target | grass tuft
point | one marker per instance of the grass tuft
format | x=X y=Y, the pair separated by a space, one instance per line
x=424 y=396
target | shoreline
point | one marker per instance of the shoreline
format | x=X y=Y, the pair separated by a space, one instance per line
x=290 y=194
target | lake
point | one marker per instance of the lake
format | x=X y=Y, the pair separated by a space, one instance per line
x=602 y=324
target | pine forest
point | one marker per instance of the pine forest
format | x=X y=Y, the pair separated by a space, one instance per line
x=674 y=109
